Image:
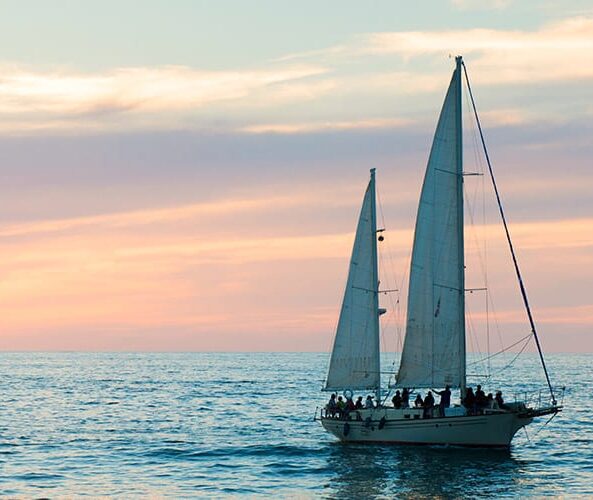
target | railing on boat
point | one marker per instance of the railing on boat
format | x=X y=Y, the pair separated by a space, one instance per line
x=541 y=398
x=532 y=402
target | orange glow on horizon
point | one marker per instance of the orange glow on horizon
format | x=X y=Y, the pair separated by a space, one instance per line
x=124 y=274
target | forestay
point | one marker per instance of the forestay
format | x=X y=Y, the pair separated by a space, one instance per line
x=434 y=346
x=354 y=361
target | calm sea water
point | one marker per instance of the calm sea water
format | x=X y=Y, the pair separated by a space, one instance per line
x=183 y=425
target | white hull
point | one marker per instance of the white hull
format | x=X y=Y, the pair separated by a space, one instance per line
x=489 y=430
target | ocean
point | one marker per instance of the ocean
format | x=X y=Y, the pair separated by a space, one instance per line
x=241 y=424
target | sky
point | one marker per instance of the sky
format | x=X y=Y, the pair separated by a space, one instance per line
x=187 y=175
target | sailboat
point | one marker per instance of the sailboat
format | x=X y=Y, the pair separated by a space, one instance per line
x=434 y=349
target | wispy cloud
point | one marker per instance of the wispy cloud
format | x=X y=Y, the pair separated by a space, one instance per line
x=141 y=88
x=61 y=97
x=554 y=52
x=304 y=128
x=312 y=83
x=151 y=216
x=570 y=315
x=88 y=271
x=481 y=4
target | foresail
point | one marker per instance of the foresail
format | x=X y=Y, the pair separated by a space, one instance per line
x=434 y=346
x=354 y=361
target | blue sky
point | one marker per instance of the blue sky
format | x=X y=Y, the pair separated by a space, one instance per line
x=228 y=33
x=189 y=173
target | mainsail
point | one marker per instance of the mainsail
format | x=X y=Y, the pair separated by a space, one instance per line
x=355 y=356
x=434 y=346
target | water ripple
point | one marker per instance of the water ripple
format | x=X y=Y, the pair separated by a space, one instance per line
x=183 y=425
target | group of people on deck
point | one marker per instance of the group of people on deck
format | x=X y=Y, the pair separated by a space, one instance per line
x=475 y=403
x=337 y=406
x=428 y=402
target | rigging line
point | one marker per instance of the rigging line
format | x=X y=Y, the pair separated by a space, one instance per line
x=483 y=265
x=502 y=350
x=517 y=270
x=480 y=250
x=392 y=316
x=527 y=436
x=525 y=339
x=399 y=284
x=472 y=329
x=470 y=211
x=393 y=303
x=547 y=422
x=489 y=295
x=508 y=365
x=483 y=252
x=494 y=315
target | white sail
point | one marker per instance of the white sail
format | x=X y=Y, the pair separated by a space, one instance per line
x=434 y=346
x=354 y=361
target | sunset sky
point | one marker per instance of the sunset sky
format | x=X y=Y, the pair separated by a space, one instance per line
x=187 y=175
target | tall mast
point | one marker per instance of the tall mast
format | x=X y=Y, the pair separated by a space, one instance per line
x=459 y=168
x=375 y=281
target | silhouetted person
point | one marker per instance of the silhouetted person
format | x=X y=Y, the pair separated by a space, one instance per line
x=349 y=404
x=445 y=400
x=418 y=403
x=369 y=402
x=358 y=404
x=332 y=406
x=481 y=399
x=469 y=401
x=405 y=398
x=428 y=405
x=341 y=407
x=500 y=401
x=397 y=400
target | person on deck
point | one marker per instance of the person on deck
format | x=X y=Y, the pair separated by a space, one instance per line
x=500 y=401
x=397 y=400
x=418 y=403
x=405 y=398
x=481 y=400
x=428 y=405
x=350 y=405
x=369 y=402
x=470 y=400
x=358 y=404
x=445 y=400
x=332 y=406
x=341 y=407
x=491 y=403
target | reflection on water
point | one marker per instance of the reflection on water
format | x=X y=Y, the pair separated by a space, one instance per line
x=421 y=471
x=186 y=425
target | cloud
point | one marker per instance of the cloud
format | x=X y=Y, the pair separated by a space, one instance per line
x=62 y=97
x=570 y=315
x=508 y=117
x=481 y=4
x=145 y=88
x=297 y=93
x=151 y=216
x=306 y=128
x=173 y=269
x=555 y=52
